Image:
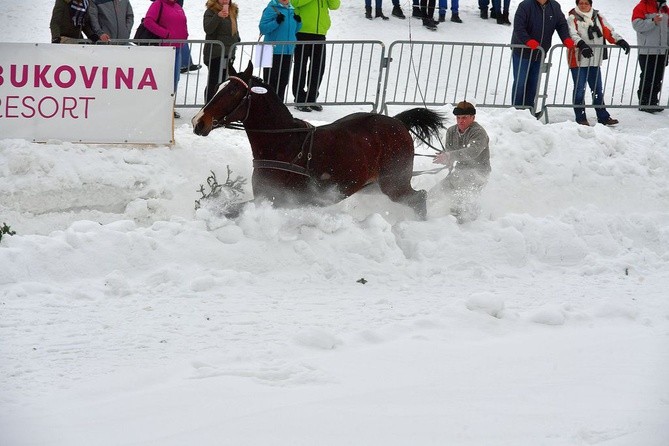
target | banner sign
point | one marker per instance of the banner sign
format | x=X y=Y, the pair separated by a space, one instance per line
x=87 y=93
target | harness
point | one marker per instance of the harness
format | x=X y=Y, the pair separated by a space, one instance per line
x=292 y=166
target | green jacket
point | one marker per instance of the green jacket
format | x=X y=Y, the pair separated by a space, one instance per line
x=315 y=14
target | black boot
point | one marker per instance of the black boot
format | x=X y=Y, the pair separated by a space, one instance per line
x=494 y=14
x=484 y=13
x=455 y=17
x=429 y=23
x=368 y=12
x=379 y=13
x=397 y=12
x=442 y=18
x=417 y=13
x=505 y=18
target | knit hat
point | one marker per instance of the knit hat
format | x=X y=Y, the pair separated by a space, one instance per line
x=464 y=108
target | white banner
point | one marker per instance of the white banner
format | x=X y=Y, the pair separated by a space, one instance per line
x=87 y=93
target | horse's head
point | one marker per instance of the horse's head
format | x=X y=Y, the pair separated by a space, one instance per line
x=227 y=105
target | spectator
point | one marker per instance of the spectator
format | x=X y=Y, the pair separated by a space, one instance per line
x=111 y=19
x=167 y=20
x=650 y=19
x=533 y=26
x=397 y=10
x=69 y=19
x=424 y=10
x=220 y=23
x=499 y=14
x=186 y=59
x=378 y=12
x=588 y=27
x=279 y=23
x=443 y=6
x=309 y=62
x=467 y=154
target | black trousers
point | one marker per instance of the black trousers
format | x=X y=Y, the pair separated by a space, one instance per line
x=277 y=76
x=650 y=82
x=214 y=65
x=309 y=66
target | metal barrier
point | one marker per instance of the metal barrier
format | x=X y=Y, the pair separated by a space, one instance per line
x=619 y=75
x=419 y=73
x=440 y=73
x=352 y=70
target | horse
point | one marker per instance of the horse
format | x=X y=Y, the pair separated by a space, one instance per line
x=295 y=163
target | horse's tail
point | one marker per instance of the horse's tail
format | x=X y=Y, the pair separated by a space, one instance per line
x=422 y=122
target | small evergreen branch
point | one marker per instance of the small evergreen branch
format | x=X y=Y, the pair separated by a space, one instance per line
x=236 y=187
x=4 y=229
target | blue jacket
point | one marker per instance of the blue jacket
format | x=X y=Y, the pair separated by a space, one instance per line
x=534 y=21
x=275 y=32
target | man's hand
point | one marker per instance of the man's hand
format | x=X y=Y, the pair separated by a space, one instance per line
x=443 y=158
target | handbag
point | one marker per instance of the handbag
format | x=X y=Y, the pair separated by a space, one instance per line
x=143 y=33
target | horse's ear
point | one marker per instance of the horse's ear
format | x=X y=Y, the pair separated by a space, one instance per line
x=249 y=70
x=231 y=69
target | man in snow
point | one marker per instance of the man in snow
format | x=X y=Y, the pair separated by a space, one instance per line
x=467 y=154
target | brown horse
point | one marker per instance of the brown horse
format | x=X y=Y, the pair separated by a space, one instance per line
x=296 y=163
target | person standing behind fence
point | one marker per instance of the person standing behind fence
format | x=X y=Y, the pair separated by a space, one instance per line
x=588 y=27
x=455 y=7
x=167 y=20
x=69 y=19
x=533 y=26
x=650 y=20
x=220 y=23
x=279 y=23
x=467 y=154
x=309 y=62
x=379 y=10
x=111 y=18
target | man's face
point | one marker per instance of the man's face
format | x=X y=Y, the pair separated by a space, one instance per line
x=464 y=121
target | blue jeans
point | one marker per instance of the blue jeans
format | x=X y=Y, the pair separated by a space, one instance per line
x=185 y=56
x=177 y=67
x=593 y=76
x=525 y=80
x=443 y=6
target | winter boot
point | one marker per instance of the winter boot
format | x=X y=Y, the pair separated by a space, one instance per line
x=368 y=12
x=429 y=23
x=397 y=12
x=417 y=14
x=505 y=18
x=484 y=13
x=442 y=18
x=455 y=17
x=379 y=13
x=494 y=14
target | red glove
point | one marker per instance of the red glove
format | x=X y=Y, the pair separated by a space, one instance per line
x=568 y=43
x=534 y=44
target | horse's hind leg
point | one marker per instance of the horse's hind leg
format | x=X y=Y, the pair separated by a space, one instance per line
x=398 y=189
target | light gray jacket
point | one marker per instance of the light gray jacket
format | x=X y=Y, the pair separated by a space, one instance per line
x=113 y=17
x=470 y=149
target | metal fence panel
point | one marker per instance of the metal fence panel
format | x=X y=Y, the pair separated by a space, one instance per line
x=619 y=75
x=352 y=74
x=439 y=73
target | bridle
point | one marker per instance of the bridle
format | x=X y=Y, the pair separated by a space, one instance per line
x=245 y=100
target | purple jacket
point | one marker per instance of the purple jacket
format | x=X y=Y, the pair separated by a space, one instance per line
x=172 y=23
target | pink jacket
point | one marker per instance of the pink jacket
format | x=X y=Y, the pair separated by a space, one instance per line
x=172 y=23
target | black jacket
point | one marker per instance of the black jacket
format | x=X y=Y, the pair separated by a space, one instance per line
x=538 y=22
